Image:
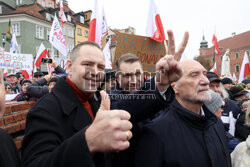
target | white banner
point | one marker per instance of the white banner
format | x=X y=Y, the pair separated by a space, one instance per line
x=56 y=37
x=16 y=62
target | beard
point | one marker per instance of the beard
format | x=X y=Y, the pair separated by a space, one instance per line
x=204 y=97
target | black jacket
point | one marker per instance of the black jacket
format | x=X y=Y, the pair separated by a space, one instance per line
x=179 y=137
x=241 y=129
x=8 y=153
x=55 y=128
x=145 y=105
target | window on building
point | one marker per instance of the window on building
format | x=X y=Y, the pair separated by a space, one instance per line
x=16 y=28
x=1 y=11
x=17 y=2
x=21 y=1
x=213 y=59
x=50 y=5
x=43 y=3
x=79 y=31
x=86 y=33
x=39 y=32
x=81 y=19
x=71 y=33
x=237 y=68
x=236 y=55
x=48 y=32
x=48 y=16
x=69 y=18
x=70 y=47
x=248 y=53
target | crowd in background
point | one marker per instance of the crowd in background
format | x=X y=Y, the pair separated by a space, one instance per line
x=229 y=102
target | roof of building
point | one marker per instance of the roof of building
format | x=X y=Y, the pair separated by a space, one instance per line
x=235 y=42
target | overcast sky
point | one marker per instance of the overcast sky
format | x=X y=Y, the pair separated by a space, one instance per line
x=195 y=16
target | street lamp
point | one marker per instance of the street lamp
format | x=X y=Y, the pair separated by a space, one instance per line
x=4 y=34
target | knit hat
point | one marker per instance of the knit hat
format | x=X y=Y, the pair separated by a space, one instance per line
x=226 y=81
x=7 y=83
x=215 y=103
x=26 y=81
x=237 y=91
x=213 y=77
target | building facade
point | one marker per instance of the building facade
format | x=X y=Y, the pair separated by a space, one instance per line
x=238 y=45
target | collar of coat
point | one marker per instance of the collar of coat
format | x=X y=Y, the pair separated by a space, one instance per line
x=193 y=119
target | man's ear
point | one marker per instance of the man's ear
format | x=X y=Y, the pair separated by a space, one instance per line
x=174 y=86
x=69 y=67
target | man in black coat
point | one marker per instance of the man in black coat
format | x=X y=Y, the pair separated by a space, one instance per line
x=64 y=128
x=187 y=133
x=9 y=156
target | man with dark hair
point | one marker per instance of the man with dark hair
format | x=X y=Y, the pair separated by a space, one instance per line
x=8 y=153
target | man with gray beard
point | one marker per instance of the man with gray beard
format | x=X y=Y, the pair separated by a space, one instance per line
x=187 y=133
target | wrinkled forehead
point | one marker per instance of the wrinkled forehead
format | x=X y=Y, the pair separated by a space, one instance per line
x=192 y=67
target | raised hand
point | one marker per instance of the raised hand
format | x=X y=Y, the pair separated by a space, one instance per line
x=168 y=69
x=110 y=131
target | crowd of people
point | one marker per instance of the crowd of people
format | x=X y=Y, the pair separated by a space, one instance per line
x=92 y=117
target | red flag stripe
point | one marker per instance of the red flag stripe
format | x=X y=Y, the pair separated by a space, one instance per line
x=43 y=54
x=92 y=30
x=159 y=35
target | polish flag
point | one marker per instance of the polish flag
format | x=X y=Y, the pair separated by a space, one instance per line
x=154 y=28
x=62 y=14
x=215 y=42
x=42 y=52
x=98 y=24
x=214 y=69
x=244 y=70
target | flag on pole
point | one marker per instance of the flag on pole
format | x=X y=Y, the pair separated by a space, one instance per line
x=244 y=70
x=215 y=42
x=214 y=68
x=56 y=37
x=154 y=28
x=8 y=35
x=27 y=74
x=13 y=44
x=42 y=52
x=62 y=14
x=98 y=24
x=107 y=56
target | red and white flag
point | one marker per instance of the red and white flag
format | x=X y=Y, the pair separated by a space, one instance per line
x=154 y=28
x=106 y=53
x=42 y=52
x=244 y=70
x=215 y=42
x=214 y=69
x=98 y=24
x=62 y=14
